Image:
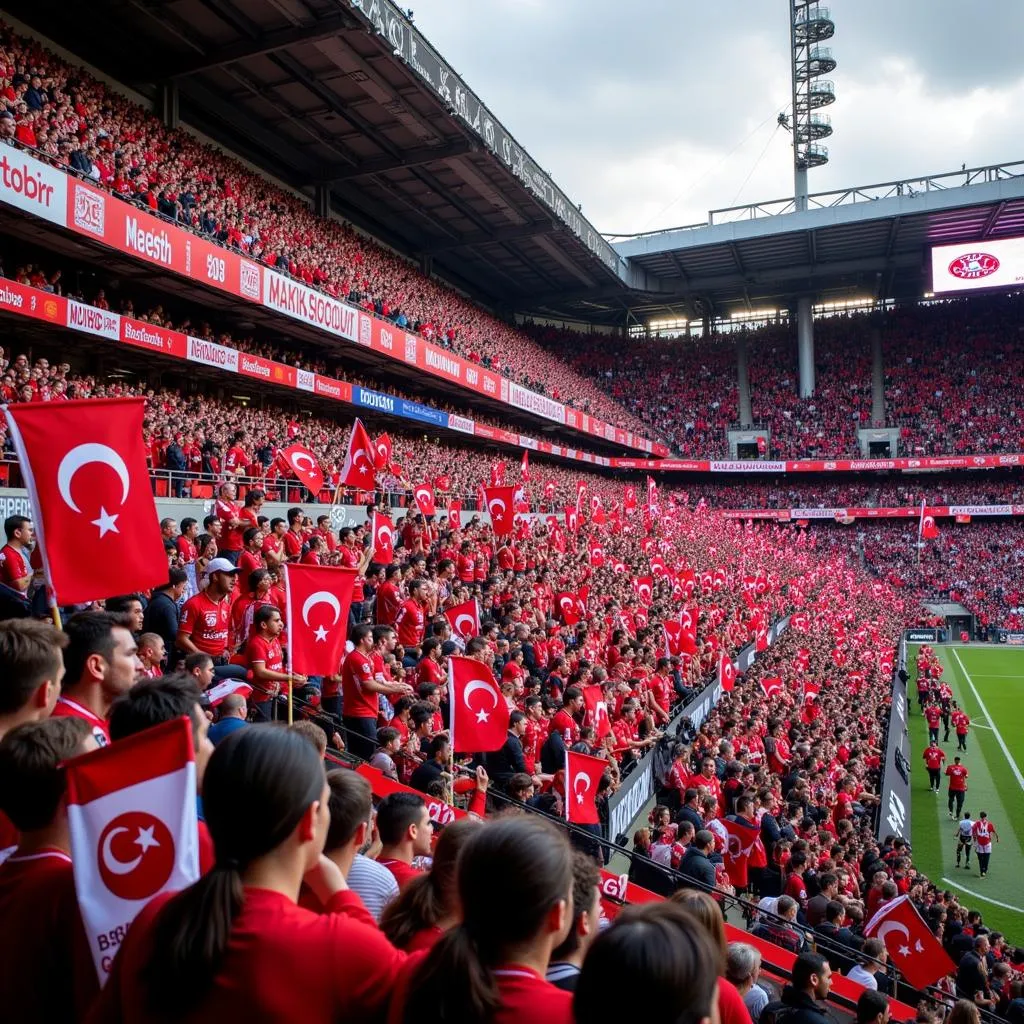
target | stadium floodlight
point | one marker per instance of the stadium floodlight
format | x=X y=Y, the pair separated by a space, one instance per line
x=810 y=24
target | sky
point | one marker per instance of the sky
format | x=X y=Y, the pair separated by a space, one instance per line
x=651 y=113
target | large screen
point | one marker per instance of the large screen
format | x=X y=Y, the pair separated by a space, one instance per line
x=992 y=264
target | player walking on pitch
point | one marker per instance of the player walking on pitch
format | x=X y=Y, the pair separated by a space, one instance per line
x=964 y=836
x=984 y=832
x=957 y=774
x=933 y=757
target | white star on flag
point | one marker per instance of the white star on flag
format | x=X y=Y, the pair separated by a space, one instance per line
x=482 y=716
x=904 y=951
x=321 y=634
x=144 y=840
x=107 y=523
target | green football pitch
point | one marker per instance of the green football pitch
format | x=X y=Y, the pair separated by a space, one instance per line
x=988 y=683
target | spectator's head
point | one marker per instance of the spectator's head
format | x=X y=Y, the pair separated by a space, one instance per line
x=404 y=824
x=31 y=654
x=811 y=974
x=872 y=1007
x=351 y=804
x=657 y=949
x=706 y=910
x=586 y=910
x=200 y=667
x=787 y=908
x=742 y=965
x=312 y=733
x=100 y=655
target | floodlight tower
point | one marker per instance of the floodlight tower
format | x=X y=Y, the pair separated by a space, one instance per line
x=809 y=26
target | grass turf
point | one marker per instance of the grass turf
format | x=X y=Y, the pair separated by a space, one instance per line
x=997 y=675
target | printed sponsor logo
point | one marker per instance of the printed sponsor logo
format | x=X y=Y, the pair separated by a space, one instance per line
x=305 y=380
x=211 y=354
x=446 y=364
x=254 y=366
x=638 y=792
x=374 y=400
x=410 y=348
x=328 y=387
x=154 y=245
x=10 y=298
x=460 y=423
x=387 y=337
x=302 y=303
x=89 y=210
x=974 y=265
x=137 y=334
x=100 y=322
x=249 y=280
x=33 y=186
x=472 y=376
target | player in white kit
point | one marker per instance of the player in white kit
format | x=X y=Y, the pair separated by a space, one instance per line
x=964 y=836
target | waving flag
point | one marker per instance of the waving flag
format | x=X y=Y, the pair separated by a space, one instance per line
x=464 y=619
x=383 y=539
x=454 y=516
x=497 y=474
x=84 y=464
x=382 y=452
x=596 y=550
x=572 y=519
x=629 y=501
x=549 y=490
x=133 y=827
x=645 y=590
x=500 y=502
x=582 y=777
x=479 y=713
x=742 y=837
x=303 y=463
x=524 y=468
x=772 y=686
x=358 y=469
x=569 y=606
x=911 y=946
x=424 y=495
x=597 y=711
x=318 y=602
x=726 y=673
x=216 y=694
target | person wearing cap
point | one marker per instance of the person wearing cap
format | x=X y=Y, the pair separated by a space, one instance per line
x=206 y=620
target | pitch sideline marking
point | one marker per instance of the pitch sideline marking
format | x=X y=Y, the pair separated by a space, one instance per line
x=979 y=896
x=995 y=731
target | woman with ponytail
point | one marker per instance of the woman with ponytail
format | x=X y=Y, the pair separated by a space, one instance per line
x=658 y=949
x=428 y=905
x=234 y=945
x=515 y=888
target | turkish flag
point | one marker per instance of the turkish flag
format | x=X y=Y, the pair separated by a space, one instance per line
x=629 y=501
x=424 y=495
x=443 y=483
x=581 y=489
x=382 y=452
x=359 y=460
x=318 y=602
x=454 y=517
x=569 y=605
x=761 y=640
x=216 y=694
x=500 y=502
x=524 y=469
x=742 y=837
x=572 y=519
x=133 y=827
x=645 y=590
x=383 y=539
x=597 y=711
x=302 y=462
x=673 y=638
x=811 y=690
x=726 y=673
x=84 y=463
x=464 y=619
x=800 y=621
x=479 y=714
x=771 y=685
x=549 y=490
x=596 y=553
x=911 y=946
x=497 y=474
x=582 y=776
x=929 y=529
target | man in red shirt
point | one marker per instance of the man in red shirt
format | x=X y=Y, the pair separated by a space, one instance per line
x=564 y=721
x=389 y=597
x=46 y=969
x=229 y=514
x=403 y=824
x=294 y=537
x=961 y=723
x=933 y=757
x=206 y=618
x=795 y=886
x=410 y=622
x=359 y=691
x=265 y=659
x=933 y=716
x=99 y=665
x=15 y=570
x=251 y=558
x=957 y=775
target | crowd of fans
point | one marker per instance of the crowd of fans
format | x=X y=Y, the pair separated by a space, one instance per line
x=77 y=122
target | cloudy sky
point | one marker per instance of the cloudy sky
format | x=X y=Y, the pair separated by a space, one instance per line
x=652 y=113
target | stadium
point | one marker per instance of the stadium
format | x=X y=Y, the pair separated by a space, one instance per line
x=417 y=602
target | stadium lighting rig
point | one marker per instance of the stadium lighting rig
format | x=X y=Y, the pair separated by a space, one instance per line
x=810 y=24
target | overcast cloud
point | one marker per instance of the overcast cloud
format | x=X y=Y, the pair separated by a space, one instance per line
x=652 y=113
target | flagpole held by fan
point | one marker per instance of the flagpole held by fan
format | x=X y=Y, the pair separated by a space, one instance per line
x=291 y=708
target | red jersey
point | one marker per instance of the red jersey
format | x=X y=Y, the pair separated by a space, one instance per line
x=933 y=716
x=389 y=600
x=410 y=623
x=429 y=671
x=231 y=536
x=186 y=549
x=796 y=889
x=66 y=707
x=563 y=722
x=403 y=872
x=259 y=649
x=356 y=701
x=46 y=969
x=207 y=623
x=350 y=559
x=292 y=544
x=933 y=758
x=247 y=563
x=13 y=565
x=982 y=832
x=957 y=775
x=960 y=722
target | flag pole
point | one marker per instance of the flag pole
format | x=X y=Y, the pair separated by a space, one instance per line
x=920 y=536
x=55 y=615
x=291 y=711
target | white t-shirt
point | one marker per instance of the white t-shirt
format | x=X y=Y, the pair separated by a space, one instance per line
x=862 y=977
x=964 y=828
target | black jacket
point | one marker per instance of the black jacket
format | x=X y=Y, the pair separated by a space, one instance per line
x=695 y=865
x=805 y=1010
x=691 y=815
x=425 y=774
x=161 y=617
x=504 y=763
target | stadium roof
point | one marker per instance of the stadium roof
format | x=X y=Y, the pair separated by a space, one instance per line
x=348 y=94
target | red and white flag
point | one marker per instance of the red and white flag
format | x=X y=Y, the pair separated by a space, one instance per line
x=84 y=464
x=629 y=501
x=597 y=711
x=464 y=619
x=134 y=829
x=454 y=516
x=497 y=473
x=318 y=602
x=500 y=503
x=383 y=539
x=524 y=468
x=911 y=946
x=572 y=519
x=358 y=469
x=479 y=713
x=303 y=463
x=582 y=777
x=927 y=528
x=674 y=633
x=549 y=490
x=772 y=686
x=726 y=673
x=645 y=590
x=216 y=694
x=596 y=553
x=382 y=452
x=569 y=606
x=741 y=838
x=811 y=690
x=424 y=495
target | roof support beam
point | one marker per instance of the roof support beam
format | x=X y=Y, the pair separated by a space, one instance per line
x=410 y=158
x=992 y=219
x=515 y=233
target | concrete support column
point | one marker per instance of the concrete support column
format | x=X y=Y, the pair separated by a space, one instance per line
x=426 y=265
x=877 y=380
x=805 y=345
x=322 y=201
x=705 y=326
x=167 y=104
x=743 y=382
